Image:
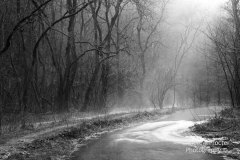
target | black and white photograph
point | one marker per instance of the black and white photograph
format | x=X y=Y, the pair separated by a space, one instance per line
x=119 y=79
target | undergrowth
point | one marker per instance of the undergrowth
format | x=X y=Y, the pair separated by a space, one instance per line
x=61 y=144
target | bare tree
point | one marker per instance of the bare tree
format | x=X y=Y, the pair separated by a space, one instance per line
x=165 y=79
x=145 y=42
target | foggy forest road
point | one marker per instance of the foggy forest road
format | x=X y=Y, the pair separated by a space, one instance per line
x=167 y=139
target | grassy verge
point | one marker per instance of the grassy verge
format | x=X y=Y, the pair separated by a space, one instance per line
x=61 y=144
x=223 y=131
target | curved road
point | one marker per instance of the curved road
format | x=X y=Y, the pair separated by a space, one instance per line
x=167 y=139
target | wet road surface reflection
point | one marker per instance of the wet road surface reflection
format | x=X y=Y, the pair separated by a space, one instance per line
x=167 y=139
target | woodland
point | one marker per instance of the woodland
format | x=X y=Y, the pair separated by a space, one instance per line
x=61 y=56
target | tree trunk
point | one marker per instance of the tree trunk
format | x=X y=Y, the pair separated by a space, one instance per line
x=219 y=97
x=104 y=78
x=119 y=76
x=90 y=88
x=236 y=54
x=70 y=70
x=1 y=107
x=94 y=77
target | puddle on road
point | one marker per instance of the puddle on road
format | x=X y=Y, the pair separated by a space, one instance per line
x=169 y=131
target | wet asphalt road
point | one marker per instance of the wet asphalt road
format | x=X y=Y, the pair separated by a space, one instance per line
x=167 y=139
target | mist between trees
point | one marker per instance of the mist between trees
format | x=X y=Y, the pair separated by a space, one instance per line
x=99 y=55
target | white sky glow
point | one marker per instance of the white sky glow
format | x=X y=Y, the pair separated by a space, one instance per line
x=192 y=8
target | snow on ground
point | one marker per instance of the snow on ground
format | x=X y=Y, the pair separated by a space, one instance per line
x=71 y=122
